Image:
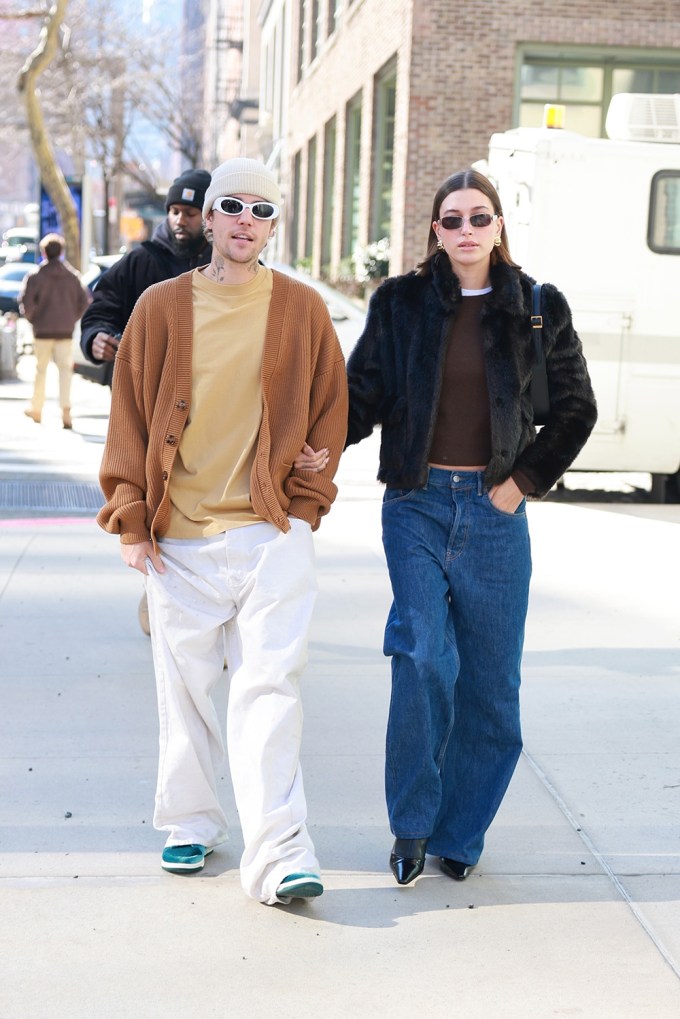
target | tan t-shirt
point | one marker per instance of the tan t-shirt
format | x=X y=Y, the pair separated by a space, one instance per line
x=210 y=482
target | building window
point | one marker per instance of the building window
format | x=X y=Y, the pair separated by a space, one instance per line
x=579 y=88
x=654 y=80
x=350 y=233
x=329 y=136
x=295 y=218
x=310 y=23
x=311 y=195
x=663 y=234
x=333 y=11
x=302 y=28
x=383 y=151
x=316 y=28
x=280 y=93
x=585 y=84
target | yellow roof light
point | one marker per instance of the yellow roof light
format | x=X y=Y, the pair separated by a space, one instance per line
x=553 y=115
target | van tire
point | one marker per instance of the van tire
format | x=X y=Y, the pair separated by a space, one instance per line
x=673 y=487
x=666 y=488
x=658 y=490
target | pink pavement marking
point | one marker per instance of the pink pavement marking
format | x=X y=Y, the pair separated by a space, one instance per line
x=45 y=521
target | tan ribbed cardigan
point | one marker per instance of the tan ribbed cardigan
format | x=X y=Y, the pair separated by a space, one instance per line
x=304 y=392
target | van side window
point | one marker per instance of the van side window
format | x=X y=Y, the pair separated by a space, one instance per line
x=663 y=229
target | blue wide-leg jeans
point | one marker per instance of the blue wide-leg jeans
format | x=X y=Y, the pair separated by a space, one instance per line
x=460 y=571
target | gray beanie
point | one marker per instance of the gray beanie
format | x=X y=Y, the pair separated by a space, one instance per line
x=242 y=177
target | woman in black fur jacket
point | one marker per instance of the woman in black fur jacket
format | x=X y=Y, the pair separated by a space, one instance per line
x=444 y=367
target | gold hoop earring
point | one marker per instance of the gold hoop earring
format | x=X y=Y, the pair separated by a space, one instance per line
x=497 y=242
x=440 y=245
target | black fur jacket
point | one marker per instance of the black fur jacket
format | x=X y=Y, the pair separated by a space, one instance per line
x=395 y=374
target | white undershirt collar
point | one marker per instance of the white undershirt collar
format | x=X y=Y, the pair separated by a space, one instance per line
x=476 y=293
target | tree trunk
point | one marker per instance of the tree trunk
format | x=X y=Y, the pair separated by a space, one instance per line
x=50 y=171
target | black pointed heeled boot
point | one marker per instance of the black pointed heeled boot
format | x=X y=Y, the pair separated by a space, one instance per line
x=454 y=868
x=407 y=859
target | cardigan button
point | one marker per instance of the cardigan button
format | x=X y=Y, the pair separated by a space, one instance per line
x=165 y=475
x=181 y=405
x=171 y=440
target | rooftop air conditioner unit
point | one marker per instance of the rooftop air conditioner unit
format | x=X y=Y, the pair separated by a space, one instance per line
x=635 y=117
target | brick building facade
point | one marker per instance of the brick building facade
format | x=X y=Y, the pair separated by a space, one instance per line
x=379 y=100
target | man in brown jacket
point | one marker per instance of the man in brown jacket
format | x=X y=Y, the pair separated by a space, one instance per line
x=53 y=299
x=222 y=375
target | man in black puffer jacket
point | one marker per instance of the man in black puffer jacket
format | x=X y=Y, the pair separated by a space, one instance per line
x=177 y=246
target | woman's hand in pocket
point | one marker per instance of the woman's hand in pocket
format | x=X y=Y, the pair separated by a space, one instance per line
x=506 y=497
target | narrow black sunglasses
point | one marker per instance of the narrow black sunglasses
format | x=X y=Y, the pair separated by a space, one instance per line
x=234 y=207
x=477 y=219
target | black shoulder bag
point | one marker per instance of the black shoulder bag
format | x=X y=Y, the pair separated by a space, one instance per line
x=540 y=397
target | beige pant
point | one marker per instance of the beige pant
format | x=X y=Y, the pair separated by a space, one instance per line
x=60 y=352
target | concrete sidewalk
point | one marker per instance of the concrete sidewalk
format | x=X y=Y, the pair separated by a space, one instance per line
x=575 y=907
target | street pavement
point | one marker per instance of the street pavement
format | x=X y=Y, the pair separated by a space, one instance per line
x=574 y=909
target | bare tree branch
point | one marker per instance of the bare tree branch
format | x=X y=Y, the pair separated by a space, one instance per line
x=52 y=176
x=110 y=93
x=21 y=15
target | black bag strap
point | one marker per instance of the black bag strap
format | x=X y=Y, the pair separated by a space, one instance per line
x=537 y=322
x=540 y=396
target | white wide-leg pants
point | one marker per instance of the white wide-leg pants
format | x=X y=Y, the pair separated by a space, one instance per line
x=258 y=586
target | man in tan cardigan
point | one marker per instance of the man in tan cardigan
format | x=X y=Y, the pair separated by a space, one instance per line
x=223 y=374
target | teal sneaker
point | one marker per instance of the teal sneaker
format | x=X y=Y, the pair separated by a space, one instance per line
x=300 y=886
x=180 y=859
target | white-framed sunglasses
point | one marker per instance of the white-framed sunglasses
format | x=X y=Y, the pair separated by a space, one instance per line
x=234 y=207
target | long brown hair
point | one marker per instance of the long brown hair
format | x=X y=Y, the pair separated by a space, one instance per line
x=460 y=181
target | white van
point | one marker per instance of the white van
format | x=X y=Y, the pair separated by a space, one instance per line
x=600 y=218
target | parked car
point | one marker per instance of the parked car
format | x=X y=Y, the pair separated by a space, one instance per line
x=12 y=276
x=19 y=244
x=97 y=267
x=348 y=316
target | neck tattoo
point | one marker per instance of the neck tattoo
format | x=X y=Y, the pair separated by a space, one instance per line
x=218 y=269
